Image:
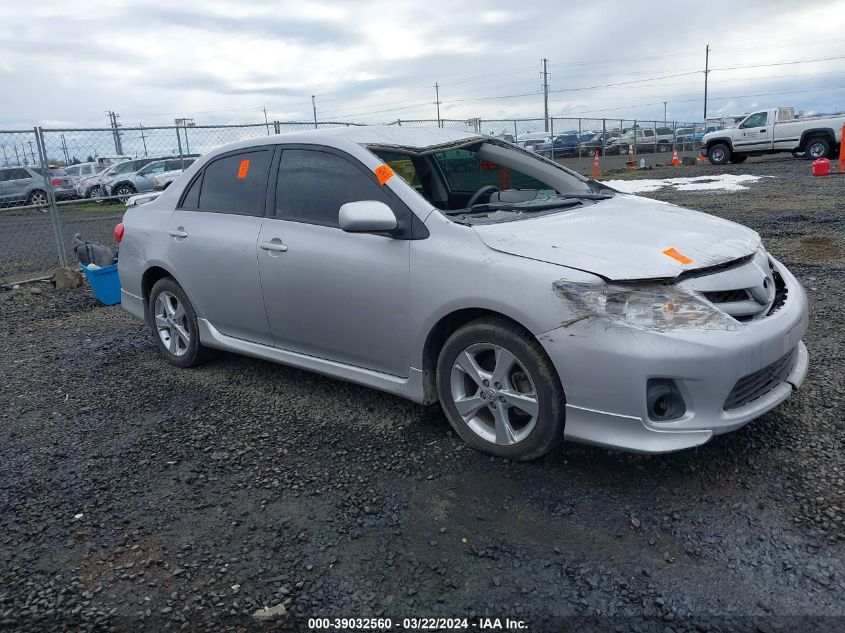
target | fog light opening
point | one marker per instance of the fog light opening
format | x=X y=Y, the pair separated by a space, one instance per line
x=664 y=400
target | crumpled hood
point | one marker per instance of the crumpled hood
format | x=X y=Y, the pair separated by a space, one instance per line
x=624 y=238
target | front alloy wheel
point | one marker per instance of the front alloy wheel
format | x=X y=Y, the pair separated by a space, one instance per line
x=493 y=394
x=124 y=192
x=500 y=391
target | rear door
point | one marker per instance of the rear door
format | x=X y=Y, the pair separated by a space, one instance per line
x=332 y=294
x=212 y=242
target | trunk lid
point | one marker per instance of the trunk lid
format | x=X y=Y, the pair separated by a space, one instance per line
x=624 y=238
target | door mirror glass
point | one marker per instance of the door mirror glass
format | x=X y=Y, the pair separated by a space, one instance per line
x=366 y=216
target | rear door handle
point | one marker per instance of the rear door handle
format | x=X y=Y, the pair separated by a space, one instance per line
x=273 y=246
x=178 y=233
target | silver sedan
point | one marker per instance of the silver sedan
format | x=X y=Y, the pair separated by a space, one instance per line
x=532 y=303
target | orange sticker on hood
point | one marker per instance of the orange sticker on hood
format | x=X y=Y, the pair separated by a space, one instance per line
x=674 y=254
x=383 y=173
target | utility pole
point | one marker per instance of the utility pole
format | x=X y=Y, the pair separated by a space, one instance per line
x=706 y=72
x=17 y=158
x=5 y=157
x=143 y=138
x=64 y=150
x=118 y=146
x=31 y=153
x=314 y=107
x=266 y=122
x=664 y=112
x=437 y=103
x=546 y=92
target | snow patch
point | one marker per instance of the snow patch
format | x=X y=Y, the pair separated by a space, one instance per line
x=717 y=182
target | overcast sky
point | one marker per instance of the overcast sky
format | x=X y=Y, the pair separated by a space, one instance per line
x=66 y=63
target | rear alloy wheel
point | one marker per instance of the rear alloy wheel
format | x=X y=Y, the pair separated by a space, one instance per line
x=817 y=148
x=718 y=154
x=499 y=390
x=174 y=324
x=95 y=193
x=663 y=147
x=37 y=198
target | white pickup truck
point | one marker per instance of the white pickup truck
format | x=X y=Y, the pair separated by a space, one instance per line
x=772 y=131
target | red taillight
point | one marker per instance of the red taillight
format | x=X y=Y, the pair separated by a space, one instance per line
x=118 y=232
x=56 y=181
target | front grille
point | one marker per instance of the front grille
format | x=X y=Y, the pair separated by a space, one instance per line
x=758 y=384
x=726 y=296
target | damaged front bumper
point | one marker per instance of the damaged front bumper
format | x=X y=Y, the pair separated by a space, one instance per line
x=726 y=377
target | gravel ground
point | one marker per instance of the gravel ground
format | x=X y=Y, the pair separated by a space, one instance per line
x=139 y=497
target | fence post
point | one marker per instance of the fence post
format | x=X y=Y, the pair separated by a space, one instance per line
x=179 y=141
x=277 y=127
x=51 y=198
x=603 y=142
x=514 y=131
x=552 y=132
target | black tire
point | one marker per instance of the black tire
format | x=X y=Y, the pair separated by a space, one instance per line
x=738 y=159
x=663 y=147
x=124 y=191
x=195 y=353
x=816 y=147
x=37 y=196
x=547 y=431
x=718 y=154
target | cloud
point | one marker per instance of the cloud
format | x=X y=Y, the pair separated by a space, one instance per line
x=154 y=60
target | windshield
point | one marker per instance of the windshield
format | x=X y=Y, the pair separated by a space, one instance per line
x=492 y=180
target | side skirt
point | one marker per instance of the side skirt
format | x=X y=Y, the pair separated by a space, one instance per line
x=410 y=387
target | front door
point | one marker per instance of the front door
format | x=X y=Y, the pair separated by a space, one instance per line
x=755 y=132
x=331 y=294
x=212 y=243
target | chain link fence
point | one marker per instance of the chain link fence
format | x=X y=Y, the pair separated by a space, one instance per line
x=56 y=183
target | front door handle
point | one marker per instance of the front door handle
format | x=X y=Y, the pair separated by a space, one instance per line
x=762 y=131
x=275 y=245
x=178 y=232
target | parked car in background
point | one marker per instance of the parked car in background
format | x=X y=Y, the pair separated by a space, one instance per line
x=108 y=161
x=83 y=170
x=24 y=185
x=141 y=181
x=648 y=139
x=163 y=180
x=601 y=142
x=565 y=144
x=696 y=134
x=772 y=131
x=94 y=186
x=532 y=303
x=530 y=139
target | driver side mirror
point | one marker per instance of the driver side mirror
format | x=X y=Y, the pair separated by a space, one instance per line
x=366 y=216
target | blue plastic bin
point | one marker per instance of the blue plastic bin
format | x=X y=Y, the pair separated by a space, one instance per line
x=105 y=284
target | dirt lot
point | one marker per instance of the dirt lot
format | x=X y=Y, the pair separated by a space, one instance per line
x=136 y=496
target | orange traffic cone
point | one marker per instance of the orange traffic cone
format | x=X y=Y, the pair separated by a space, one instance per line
x=596 y=165
x=675 y=160
x=631 y=163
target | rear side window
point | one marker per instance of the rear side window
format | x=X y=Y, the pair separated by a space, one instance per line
x=313 y=185
x=236 y=183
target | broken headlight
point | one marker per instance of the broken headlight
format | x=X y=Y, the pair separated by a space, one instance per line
x=649 y=307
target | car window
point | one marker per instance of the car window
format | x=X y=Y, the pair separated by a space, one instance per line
x=755 y=120
x=465 y=173
x=403 y=166
x=312 y=185
x=153 y=168
x=124 y=168
x=236 y=183
x=5 y=174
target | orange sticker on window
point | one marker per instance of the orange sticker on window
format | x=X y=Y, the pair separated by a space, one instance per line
x=243 y=169
x=674 y=254
x=383 y=173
